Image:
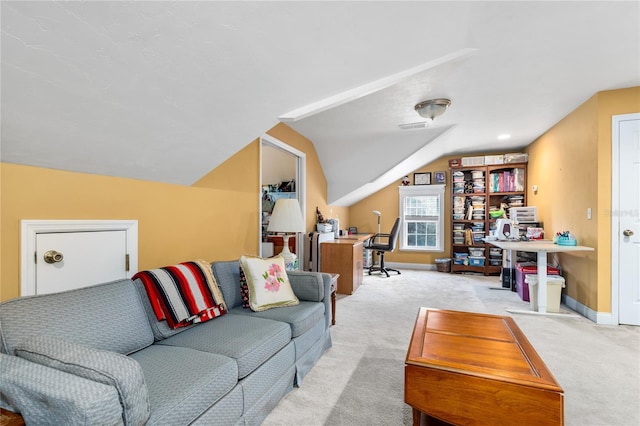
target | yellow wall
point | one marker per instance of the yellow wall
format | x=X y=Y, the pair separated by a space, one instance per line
x=571 y=164
x=563 y=164
x=215 y=219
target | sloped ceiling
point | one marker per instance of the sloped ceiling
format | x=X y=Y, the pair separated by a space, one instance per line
x=167 y=91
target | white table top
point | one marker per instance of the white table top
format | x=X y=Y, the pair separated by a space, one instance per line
x=537 y=246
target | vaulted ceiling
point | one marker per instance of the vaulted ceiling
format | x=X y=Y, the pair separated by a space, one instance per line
x=167 y=91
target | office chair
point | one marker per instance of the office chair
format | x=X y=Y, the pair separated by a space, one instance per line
x=382 y=247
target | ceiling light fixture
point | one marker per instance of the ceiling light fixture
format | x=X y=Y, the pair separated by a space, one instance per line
x=504 y=137
x=432 y=108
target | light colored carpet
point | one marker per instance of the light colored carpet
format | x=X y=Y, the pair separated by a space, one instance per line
x=360 y=380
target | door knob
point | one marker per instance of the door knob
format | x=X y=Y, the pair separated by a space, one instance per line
x=627 y=232
x=53 y=256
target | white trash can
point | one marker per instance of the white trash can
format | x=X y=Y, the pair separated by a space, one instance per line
x=555 y=284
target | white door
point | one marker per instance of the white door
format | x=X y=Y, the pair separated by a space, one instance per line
x=629 y=220
x=68 y=260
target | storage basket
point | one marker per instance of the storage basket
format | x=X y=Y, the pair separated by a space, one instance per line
x=443 y=265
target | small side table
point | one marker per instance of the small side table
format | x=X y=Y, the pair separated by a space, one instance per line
x=334 y=288
x=9 y=418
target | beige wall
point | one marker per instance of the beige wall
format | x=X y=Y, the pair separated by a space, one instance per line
x=571 y=164
x=215 y=219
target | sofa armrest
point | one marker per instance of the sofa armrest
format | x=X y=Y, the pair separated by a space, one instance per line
x=308 y=286
x=44 y=395
x=313 y=287
x=121 y=372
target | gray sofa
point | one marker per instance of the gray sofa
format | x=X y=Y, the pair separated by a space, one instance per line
x=97 y=355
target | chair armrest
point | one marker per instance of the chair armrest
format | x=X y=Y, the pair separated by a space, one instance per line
x=109 y=368
x=44 y=395
x=376 y=244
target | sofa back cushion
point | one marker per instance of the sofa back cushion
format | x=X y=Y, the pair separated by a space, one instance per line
x=160 y=329
x=227 y=274
x=107 y=316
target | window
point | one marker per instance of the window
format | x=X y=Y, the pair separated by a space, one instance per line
x=422 y=213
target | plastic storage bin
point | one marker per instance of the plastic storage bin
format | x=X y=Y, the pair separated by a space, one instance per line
x=555 y=284
x=476 y=261
x=524 y=269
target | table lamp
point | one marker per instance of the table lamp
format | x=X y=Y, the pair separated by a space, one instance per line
x=287 y=219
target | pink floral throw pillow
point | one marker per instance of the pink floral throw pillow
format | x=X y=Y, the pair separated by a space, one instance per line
x=267 y=282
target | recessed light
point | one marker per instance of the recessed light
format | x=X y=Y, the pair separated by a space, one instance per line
x=504 y=137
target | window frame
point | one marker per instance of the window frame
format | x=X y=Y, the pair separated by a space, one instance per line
x=418 y=191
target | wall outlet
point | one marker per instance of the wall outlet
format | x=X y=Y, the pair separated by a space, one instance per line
x=589 y=213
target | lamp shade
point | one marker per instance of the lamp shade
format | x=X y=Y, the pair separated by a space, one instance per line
x=286 y=217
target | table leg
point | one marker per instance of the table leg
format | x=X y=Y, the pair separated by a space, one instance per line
x=542 y=281
x=416 y=416
x=422 y=419
x=333 y=308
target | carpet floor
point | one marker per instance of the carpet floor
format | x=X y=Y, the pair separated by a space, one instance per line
x=360 y=380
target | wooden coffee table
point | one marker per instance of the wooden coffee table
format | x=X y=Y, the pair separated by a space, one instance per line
x=469 y=368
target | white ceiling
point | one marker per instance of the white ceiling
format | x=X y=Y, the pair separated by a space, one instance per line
x=167 y=91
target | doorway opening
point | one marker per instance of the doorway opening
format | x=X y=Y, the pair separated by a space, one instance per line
x=282 y=175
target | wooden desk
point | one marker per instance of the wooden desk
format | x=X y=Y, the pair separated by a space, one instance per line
x=541 y=247
x=467 y=368
x=344 y=256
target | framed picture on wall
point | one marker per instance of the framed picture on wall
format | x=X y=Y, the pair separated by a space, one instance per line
x=440 y=177
x=422 y=178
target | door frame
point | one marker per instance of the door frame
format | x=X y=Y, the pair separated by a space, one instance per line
x=30 y=228
x=301 y=186
x=615 y=209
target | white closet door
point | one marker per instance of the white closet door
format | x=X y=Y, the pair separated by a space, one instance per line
x=85 y=259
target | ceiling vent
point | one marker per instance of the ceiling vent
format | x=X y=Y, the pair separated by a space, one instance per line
x=412 y=126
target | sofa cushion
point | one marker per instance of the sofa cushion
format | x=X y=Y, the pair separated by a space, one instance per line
x=109 y=368
x=227 y=274
x=268 y=283
x=183 y=383
x=160 y=329
x=250 y=341
x=300 y=317
x=107 y=316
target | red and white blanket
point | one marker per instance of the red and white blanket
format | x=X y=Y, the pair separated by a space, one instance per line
x=183 y=294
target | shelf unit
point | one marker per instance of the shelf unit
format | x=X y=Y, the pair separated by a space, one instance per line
x=476 y=190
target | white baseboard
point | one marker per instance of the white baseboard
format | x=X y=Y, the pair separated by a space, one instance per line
x=420 y=266
x=600 y=318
